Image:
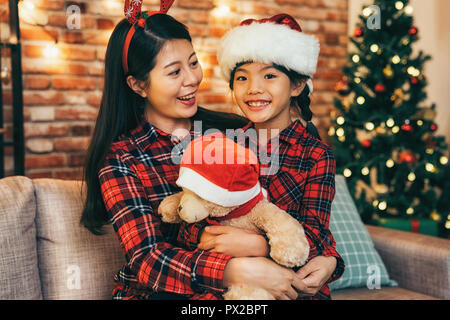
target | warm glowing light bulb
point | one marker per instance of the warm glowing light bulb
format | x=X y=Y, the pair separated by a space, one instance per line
x=340 y=120
x=347 y=173
x=365 y=171
x=370 y=126
x=374 y=48
x=340 y=132
x=399 y=5
x=390 y=163
x=51 y=51
x=411 y=177
x=396 y=59
x=443 y=160
x=409 y=10
x=360 y=100
x=355 y=58
x=367 y=12
x=382 y=205
x=221 y=11
x=410 y=211
x=390 y=122
x=430 y=167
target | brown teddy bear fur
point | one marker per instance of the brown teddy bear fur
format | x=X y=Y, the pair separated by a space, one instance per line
x=288 y=244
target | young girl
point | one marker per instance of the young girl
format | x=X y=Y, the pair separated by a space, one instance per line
x=152 y=77
x=269 y=64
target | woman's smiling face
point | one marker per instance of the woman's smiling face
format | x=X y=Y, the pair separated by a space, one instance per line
x=173 y=83
x=263 y=92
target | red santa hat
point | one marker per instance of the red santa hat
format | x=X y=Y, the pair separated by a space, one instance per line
x=278 y=40
x=219 y=170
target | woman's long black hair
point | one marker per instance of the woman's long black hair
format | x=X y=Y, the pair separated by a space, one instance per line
x=121 y=109
x=301 y=103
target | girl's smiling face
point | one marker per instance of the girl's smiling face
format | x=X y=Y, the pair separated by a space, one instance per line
x=264 y=93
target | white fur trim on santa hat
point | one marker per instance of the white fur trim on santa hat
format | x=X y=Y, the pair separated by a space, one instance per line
x=207 y=190
x=269 y=43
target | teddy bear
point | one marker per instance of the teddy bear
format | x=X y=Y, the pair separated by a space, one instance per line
x=219 y=181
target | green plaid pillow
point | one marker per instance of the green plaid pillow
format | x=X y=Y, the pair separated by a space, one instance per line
x=363 y=265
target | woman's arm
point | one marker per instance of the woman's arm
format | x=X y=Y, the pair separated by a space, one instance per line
x=157 y=264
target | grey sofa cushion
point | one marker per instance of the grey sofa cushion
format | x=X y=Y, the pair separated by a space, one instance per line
x=73 y=263
x=19 y=275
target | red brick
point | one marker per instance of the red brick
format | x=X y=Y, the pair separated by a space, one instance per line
x=45 y=129
x=43 y=98
x=68 y=174
x=37 y=83
x=72 y=144
x=76 y=113
x=74 y=83
x=45 y=161
x=197 y=4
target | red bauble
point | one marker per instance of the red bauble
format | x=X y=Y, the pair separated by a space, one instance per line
x=413 y=31
x=407 y=127
x=358 y=32
x=366 y=143
x=406 y=156
x=380 y=88
x=342 y=87
x=414 y=80
x=434 y=127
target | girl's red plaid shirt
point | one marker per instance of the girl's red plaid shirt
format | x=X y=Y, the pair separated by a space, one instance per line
x=139 y=173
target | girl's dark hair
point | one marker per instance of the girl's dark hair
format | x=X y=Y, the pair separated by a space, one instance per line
x=121 y=109
x=301 y=103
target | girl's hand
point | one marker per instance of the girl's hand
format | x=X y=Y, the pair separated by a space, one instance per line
x=315 y=273
x=233 y=241
x=260 y=272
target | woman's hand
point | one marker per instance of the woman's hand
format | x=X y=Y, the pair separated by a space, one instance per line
x=260 y=272
x=233 y=241
x=315 y=274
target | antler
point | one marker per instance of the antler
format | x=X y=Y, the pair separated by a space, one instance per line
x=133 y=9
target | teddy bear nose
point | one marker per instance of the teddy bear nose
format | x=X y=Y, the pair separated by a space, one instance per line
x=180 y=208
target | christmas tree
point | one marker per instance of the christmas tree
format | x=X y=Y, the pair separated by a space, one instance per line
x=384 y=136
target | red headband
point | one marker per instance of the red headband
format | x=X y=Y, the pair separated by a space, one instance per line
x=137 y=18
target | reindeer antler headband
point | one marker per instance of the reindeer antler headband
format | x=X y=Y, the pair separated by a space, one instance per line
x=137 y=18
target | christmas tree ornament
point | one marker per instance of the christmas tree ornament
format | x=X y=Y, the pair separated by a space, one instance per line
x=413 y=31
x=380 y=88
x=388 y=72
x=366 y=143
x=342 y=87
x=433 y=127
x=358 y=32
x=407 y=127
x=406 y=156
x=398 y=97
x=414 y=80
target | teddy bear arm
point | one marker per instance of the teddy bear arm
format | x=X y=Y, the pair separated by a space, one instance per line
x=287 y=240
x=168 y=208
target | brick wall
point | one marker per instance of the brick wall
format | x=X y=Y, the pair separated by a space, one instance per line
x=62 y=92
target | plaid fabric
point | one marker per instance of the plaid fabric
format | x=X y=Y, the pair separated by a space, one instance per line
x=137 y=175
x=303 y=186
x=354 y=243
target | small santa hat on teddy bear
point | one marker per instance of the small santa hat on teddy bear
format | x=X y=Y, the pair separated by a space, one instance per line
x=220 y=171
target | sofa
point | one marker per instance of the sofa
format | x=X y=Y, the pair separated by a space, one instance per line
x=46 y=254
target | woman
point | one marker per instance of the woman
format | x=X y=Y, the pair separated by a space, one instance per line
x=152 y=76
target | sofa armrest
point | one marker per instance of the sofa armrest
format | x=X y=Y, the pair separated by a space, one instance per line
x=417 y=262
